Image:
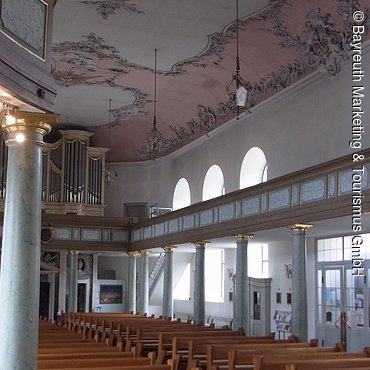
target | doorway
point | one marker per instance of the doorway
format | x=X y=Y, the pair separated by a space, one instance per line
x=343 y=307
x=44 y=299
x=83 y=296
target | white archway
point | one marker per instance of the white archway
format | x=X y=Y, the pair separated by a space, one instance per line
x=181 y=195
x=214 y=184
x=253 y=170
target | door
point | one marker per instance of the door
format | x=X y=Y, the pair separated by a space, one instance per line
x=342 y=299
x=356 y=301
x=333 y=304
x=81 y=297
x=44 y=299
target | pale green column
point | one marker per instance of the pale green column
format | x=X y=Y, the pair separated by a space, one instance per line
x=144 y=282
x=299 y=320
x=167 y=308
x=241 y=302
x=21 y=244
x=132 y=281
x=199 y=283
x=73 y=281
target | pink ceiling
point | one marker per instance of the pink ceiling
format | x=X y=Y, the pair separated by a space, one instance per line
x=278 y=46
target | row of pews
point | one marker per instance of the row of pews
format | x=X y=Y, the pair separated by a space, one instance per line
x=127 y=341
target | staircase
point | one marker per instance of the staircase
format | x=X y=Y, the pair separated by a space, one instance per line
x=156 y=273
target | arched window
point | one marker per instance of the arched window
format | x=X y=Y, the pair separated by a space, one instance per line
x=213 y=185
x=181 y=195
x=254 y=168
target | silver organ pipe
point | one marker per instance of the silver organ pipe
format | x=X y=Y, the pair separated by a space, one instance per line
x=72 y=172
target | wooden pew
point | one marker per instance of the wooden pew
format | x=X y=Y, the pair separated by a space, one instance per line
x=325 y=364
x=217 y=354
x=88 y=363
x=165 y=339
x=196 y=348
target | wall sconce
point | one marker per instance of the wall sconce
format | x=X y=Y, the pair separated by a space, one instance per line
x=230 y=273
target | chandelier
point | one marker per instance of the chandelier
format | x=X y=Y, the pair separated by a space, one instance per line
x=110 y=172
x=154 y=139
x=235 y=88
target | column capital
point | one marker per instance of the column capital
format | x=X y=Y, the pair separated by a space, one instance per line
x=243 y=237
x=133 y=253
x=27 y=122
x=144 y=252
x=74 y=252
x=201 y=243
x=169 y=248
x=300 y=227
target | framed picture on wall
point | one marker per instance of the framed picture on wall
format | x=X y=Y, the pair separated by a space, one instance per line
x=289 y=298
x=111 y=294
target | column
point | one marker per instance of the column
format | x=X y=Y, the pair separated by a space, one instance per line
x=241 y=302
x=73 y=281
x=144 y=281
x=168 y=281
x=62 y=283
x=299 y=322
x=132 y=281
x=199 y=283
x=21 y=244
x=95 y=279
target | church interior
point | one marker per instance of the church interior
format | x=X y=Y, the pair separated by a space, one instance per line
x=201 y=162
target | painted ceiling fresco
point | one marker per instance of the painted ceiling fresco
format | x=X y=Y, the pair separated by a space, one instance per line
x=104 y=50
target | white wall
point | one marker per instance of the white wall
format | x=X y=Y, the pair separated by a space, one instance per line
x=307 y=124
x=116 y=263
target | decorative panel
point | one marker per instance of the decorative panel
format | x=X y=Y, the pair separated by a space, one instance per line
x=313 y=190
x=90 y=234
x=228 y=212
x=119 y=236
x=147 y=232
x=349 y=178
x=251 y=206
x=345 y=182
x=189 y=222
x=216 y=214
x=280 y=199
x=264 y=202
x=137 y=235
x=238 y=209
x=105 y=235
x=62 y=233
x=76 y=233
x=173 y=225
x=25 y=22
x=206 y=217
x=332 y=186
x=159 y=229
x=295 y=194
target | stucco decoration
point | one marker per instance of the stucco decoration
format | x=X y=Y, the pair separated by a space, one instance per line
x=108 y=7
x=51 y=258
x=281 y=41
x=93 y=62
x=322 y=46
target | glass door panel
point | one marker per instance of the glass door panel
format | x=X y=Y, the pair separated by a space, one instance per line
x=355 y=302
x=332 y=305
